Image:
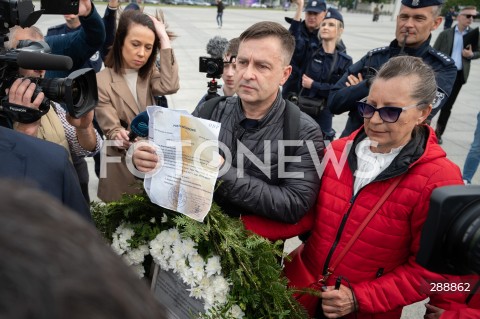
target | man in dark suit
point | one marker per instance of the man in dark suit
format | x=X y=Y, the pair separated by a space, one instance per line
x=450 y=42
x=44 y=164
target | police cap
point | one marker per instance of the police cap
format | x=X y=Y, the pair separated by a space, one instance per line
x=316 y=6
x=132 y=6
x=421 y=3
x=334 y=14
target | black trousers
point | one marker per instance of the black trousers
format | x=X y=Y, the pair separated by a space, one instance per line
x=446 y=109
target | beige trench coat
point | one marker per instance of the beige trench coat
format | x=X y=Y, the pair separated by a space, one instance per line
x=116 y=104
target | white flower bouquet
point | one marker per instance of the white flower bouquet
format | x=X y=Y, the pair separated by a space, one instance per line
x=235 y=274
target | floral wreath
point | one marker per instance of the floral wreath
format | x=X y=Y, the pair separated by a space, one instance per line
x=235 y=273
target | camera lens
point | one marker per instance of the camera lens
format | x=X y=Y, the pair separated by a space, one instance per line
x=212 y=67
x=463 y=239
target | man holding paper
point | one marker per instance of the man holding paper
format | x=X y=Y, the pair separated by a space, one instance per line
x=256 y=177
x=451 y=42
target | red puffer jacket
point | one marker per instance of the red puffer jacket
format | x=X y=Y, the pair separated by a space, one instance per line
x=380 y=265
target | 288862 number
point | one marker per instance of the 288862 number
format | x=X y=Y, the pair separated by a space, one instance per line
x=438 y=287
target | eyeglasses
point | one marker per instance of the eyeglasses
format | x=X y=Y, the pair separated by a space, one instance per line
x=389 y=114
x=469 y=16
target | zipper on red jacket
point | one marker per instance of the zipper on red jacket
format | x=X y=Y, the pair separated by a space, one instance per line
x=339 y=234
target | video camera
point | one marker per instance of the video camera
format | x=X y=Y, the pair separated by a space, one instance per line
x=450 y=241
x=212 y=66
x=78 y=91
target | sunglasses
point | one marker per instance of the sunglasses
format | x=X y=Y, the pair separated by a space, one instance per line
x=389 y=114
x=469 y=16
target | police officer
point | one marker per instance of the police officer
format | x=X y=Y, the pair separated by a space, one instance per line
x=326 y=67
x=415 y=22
x=306 y=41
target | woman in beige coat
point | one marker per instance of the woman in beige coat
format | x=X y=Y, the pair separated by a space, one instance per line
x=126 y=86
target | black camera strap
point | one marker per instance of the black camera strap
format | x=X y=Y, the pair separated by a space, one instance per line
x=23 y=114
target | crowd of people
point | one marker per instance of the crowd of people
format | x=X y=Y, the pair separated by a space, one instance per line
x=360 y=224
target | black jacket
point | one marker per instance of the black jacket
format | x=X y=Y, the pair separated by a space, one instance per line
x=254 y=192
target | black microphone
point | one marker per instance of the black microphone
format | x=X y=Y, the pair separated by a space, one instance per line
x=139 y=126
x=216 y=47
x=43 y=61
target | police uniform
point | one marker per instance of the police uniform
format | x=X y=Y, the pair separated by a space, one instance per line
x=306 y=43
x=342 y=98
x=324 y=77
x=95 y=61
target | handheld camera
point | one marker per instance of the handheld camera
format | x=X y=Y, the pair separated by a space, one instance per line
x=78 y=91
x=450 y=242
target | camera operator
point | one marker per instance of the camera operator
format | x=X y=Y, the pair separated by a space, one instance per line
x=78 y=136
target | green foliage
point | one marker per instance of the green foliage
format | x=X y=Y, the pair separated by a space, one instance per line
x=249 y=261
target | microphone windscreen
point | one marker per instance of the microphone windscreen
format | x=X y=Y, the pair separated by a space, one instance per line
x=216 y=46
x=139 y=124
x=43 y=61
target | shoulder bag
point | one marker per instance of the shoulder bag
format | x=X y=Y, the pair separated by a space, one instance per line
x=311 y=105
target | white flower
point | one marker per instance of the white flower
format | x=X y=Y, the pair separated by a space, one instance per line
x=188 y=247
x=152 y=220
x=125 y=235
x=120 y=239
x=236 y=312
x=139 y=270
x=213 y=266
x=173 y=235
x=188 y=278
x=137 y=256
x=197 y=265
x=196 y=292
x=221 y=285
x=116 y=246
x=164 y=218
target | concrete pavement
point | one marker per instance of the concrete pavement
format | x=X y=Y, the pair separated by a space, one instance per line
x=195 y=26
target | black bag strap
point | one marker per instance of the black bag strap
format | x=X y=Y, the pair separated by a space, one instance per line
x=291 y=125
x=291 y=119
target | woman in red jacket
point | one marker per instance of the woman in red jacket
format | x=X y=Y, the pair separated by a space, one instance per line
x=371 y=272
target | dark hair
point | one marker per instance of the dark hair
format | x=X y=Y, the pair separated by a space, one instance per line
x=114 y=57
x=232 y=48
x=265 y=29
x=55 y=265
x=425 y=83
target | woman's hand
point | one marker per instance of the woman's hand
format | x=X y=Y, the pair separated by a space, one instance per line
x=307 y=82
x=145 y=158
x=337 y=303
x=161 y=33
x=122 y=136
x=353 y=80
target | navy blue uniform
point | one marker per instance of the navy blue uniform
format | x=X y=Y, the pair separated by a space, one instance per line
x=318 y=70
x=306 y=43
x=96 y=60
x=342 y=98
x=79 y=45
